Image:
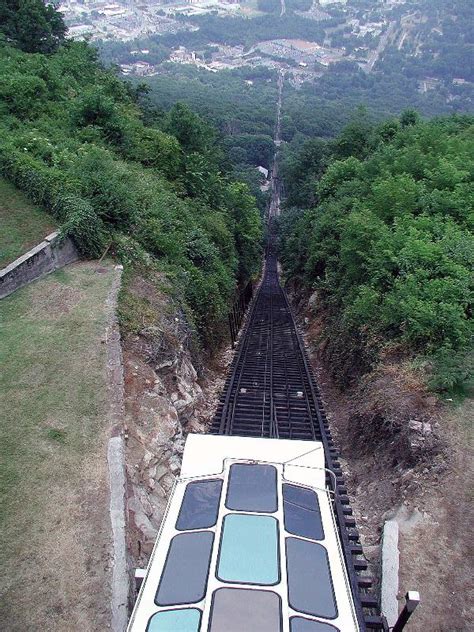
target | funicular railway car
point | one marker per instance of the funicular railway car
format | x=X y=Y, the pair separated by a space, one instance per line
x=248 y=543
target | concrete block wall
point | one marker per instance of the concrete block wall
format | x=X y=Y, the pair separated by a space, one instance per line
x=51 y=254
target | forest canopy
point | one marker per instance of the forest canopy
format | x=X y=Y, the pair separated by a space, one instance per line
x=388 y=242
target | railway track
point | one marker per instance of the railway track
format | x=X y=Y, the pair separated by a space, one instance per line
x=271 y=392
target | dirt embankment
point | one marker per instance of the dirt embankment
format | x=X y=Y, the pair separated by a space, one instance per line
x=406 y=455
x=167 y=394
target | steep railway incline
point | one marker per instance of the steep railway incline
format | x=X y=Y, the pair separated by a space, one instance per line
x=271 y=392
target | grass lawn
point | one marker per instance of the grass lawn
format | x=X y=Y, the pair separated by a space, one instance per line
x=54 y=520
x=22 y=224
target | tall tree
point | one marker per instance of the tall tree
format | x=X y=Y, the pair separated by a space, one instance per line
x=32 y=25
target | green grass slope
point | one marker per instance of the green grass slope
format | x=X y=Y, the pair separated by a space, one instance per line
x=22 y=223
x=53 y=433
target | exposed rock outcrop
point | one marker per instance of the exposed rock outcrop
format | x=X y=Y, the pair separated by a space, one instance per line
x=164 y=400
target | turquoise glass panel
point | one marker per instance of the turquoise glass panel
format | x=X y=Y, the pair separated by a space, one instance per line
x=183 y=620
x=249 y=551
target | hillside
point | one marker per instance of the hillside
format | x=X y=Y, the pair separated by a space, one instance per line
x=390 y=242
x=156 y=169
x=151 y=190
x=74 y=140
x=335 y=56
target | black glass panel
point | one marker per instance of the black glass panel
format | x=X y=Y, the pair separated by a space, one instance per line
x=252 y=488
x=241 y=610
x=302 y=514
x=186 y=569
x=200 y=505
x=298 y=624
x=309 y=579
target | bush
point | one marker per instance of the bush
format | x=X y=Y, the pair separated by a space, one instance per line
x=84 y=226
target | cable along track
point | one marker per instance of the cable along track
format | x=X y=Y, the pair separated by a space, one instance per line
x=271 y=392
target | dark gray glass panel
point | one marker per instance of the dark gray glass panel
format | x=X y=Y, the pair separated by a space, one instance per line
x=186 y=569
x=236 y=610
x=298 y=624
x=252 y=488
x=200 y=505
x=309 y=579
x=302 y=514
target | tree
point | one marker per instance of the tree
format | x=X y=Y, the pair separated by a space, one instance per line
x=409 y=117
x=191 y=131
x=354 y=139
x=301 y=170
x=159 y=150
x=32 y=25
x=248 y=228
x=24 y=95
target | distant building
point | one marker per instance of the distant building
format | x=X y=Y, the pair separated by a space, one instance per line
x=325 y=3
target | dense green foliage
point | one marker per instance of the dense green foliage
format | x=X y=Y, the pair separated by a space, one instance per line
x=32 y=25
x=236 y=102
x=241 y=104
x=388 y=243
x=324 y=108
x=73 y=138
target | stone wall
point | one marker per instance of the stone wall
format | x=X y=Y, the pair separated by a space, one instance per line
x=51 y=254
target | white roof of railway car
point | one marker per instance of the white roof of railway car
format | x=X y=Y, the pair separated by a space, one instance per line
x=248 y=547
x=205 y=455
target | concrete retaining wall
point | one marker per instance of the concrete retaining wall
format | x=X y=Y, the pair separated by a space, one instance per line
x=51 y=254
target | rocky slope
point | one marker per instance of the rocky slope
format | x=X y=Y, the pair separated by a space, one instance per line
x=167 y=395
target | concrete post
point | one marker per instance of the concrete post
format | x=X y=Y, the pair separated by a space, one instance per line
x=390 y=567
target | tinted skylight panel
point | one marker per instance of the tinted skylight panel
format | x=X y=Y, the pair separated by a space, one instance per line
x=302 y=514
x=180 y=620
x=298 y=624
x=236 y=610
x=249 y=550
x=186 y=569
x=309 y=579
x=252 y=488
x=200 y=505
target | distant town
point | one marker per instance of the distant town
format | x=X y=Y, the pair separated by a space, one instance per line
x=361 y=38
